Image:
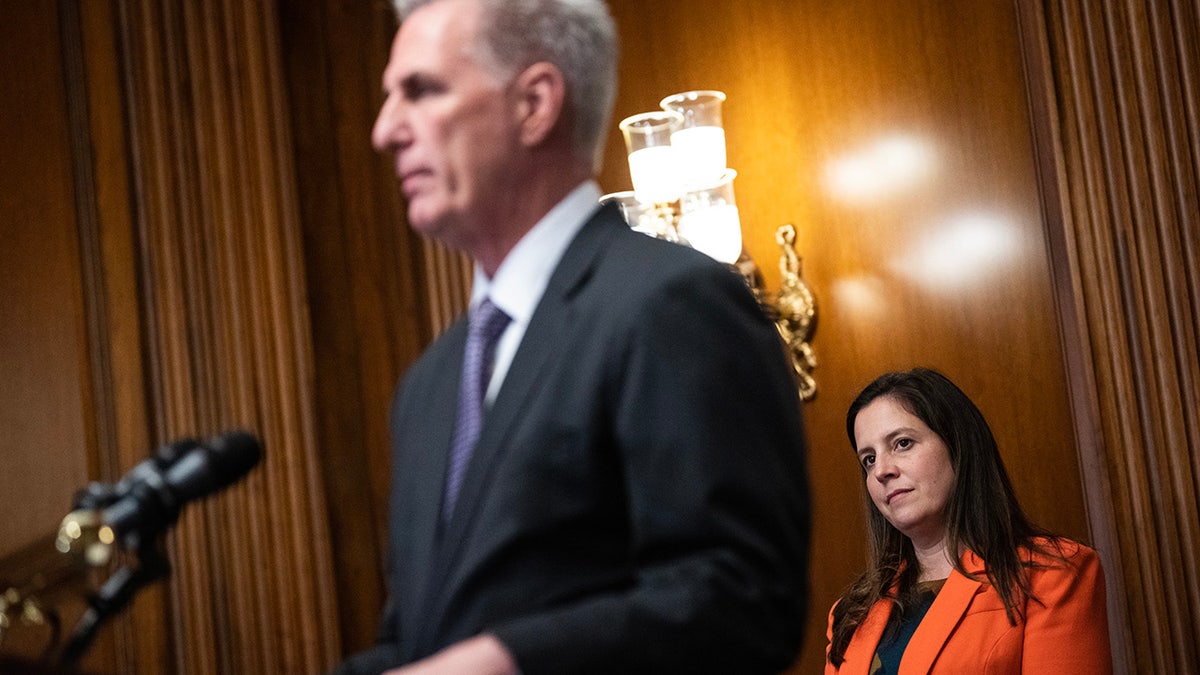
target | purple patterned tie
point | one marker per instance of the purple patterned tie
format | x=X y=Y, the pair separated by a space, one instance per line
x=484 y=327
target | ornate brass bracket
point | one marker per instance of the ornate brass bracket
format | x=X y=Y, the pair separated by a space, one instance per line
x=793 y=308
x=796 y=309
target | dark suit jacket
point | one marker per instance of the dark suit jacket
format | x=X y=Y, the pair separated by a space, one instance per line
x=1064 y=629
x=638 y=498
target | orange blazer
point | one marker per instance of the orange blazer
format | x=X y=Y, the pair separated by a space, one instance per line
x=1064 y=630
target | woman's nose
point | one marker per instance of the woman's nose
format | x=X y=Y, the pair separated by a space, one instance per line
x=884 y=467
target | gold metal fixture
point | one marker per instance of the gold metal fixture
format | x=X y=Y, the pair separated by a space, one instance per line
x=795 y=312
x=793 y=308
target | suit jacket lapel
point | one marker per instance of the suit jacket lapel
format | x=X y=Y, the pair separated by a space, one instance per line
x=933 y=632
x=866 y=639
x=427 y=479
x=542 y=339
x=943 y=617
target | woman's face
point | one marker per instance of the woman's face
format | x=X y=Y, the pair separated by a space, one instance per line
x=909 y=474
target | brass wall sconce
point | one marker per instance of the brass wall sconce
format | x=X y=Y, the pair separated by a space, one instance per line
x=795 y=313
x=683 y=192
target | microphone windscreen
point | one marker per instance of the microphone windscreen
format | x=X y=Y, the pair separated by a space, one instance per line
x=233 y=455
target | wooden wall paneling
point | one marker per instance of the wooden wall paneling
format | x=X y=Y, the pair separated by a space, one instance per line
x=1099 y=492
x=42 y=354
x=449 y=285
x=227 y=329
x=49 y=355
x=817 y=87
x=1125 y=141
x=378 y=293
x=118 y=410
x=326 y=96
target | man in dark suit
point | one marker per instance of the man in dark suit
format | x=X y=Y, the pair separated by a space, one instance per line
x=618 y=484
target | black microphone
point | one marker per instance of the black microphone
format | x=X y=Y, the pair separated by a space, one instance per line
x=163 y=459
x=149 y=499
x=97 y=495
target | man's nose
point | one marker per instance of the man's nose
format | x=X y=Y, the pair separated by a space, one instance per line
x=388 y=132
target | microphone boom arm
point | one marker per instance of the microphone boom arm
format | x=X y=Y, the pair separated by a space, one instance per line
x=113 y=596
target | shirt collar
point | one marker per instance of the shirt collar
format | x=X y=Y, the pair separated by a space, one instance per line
x=525 y=272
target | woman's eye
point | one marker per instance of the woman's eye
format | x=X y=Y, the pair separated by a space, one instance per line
x=904 y=443
x=867 y=461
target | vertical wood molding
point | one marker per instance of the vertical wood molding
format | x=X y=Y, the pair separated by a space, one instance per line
x=226 y=321
x=1122 y=117
x=377 y=293
x=448 y=280
x=117 y=407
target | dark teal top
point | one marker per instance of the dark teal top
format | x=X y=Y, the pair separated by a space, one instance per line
x=895 y=640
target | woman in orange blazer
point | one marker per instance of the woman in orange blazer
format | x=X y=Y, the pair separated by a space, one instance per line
x=958 y=580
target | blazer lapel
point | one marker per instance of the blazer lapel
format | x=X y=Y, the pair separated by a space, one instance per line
x=425 y=480
x=861 y=651
x=943 y=616
x=542 y=339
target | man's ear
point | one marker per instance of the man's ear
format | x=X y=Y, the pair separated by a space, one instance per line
x=541 y=90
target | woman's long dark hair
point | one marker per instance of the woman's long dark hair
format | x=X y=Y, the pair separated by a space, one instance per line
x=983 y=514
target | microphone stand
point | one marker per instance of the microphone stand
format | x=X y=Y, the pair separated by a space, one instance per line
x=113 y=596
x=81 y=536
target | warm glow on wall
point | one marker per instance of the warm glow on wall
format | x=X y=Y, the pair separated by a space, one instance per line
x=884 y=168
x=966 y=250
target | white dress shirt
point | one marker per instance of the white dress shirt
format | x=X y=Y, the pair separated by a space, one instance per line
x=522 y=277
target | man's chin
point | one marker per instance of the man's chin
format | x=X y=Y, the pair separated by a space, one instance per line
x=422 y=221
x=430 y=225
